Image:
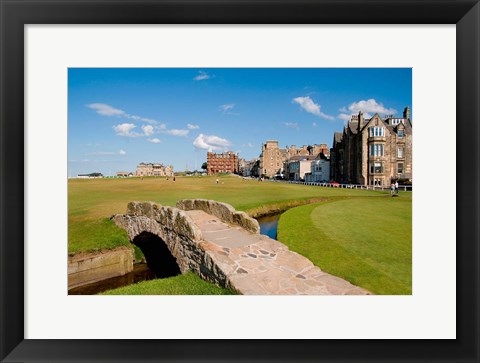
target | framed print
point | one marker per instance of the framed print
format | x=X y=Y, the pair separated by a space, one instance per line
x=71 y=50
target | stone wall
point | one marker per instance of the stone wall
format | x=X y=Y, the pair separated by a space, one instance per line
x=172 y=225
x=181 y=235
x=87 y=268
x=225 y=212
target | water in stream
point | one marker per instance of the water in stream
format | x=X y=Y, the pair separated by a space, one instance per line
x=268 y=225
x=140 y=273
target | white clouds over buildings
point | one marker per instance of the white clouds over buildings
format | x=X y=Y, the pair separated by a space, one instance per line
x=126 y=129
x=310 y=106
x=154 y=140
x=368 y=107
x=211 y=142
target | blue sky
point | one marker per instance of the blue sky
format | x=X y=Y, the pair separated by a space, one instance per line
x=119 y=117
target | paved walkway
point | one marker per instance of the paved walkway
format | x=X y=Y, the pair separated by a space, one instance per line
x=258 y=265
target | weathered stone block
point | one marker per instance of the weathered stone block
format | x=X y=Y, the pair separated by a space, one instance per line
x=225 y=212
x=85 y=268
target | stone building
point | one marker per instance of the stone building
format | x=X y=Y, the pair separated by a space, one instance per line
x=319 y=170
x=373 y=151
x=248 y=167
x=226 y=162
x=273 y=160
x=153 y=169
x=297 y=166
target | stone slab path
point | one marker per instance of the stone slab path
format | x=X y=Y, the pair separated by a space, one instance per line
x=258 y=265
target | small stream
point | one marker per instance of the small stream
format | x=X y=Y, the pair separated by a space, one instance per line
x=268 y=225
x=140 y=273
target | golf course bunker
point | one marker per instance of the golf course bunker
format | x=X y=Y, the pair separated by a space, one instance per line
x=225 y=247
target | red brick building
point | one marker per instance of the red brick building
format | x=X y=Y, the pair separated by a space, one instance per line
x=222 y=163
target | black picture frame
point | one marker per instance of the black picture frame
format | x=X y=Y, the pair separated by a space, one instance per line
x=15 y=14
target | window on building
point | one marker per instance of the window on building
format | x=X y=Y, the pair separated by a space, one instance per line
x=400 y=152
x=376 y=150
x=376 y=168
x=400 y=133
x=400 y=168
x=376 y=131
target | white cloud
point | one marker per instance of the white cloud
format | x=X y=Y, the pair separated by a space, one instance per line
x=98 y=153
x=249 y=144
x=122 y=152
x=344 y=117
x=106 y=110
x=311 y=107
x=227 y=106
x=192 y=127
x=368 y=107
x=202 y=75
x=314 y=124
x=154 y=140
x=211 y=142
x=292 y=125
x=371 y=106
x=147 y=130
x=125 y=130
x=177 y=132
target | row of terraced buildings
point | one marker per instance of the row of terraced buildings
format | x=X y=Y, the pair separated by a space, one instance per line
x=373 y=151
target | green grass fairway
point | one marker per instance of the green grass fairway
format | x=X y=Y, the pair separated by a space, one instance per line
x=92 y=201
x=362 y=236
x=367 y=241
x=188 y=284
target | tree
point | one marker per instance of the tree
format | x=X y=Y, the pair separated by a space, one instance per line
x=204 y=166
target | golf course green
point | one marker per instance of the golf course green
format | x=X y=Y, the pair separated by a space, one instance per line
x=363 y=236
x=365 y=241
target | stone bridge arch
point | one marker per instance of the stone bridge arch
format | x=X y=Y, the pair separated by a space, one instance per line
x=224 y=246
x=172 y=225
x=181 y=235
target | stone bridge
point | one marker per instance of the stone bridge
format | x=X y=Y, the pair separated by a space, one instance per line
x=223 y=246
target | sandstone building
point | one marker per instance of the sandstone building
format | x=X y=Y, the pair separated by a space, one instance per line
x=271 y=159
x=248 y=167
x=373 y=151
x=153 y=169
x=226 y=162
x=275 y=161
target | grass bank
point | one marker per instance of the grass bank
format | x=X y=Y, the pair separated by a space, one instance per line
x=367 y=241
x=92 y=201
x=187 y=284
